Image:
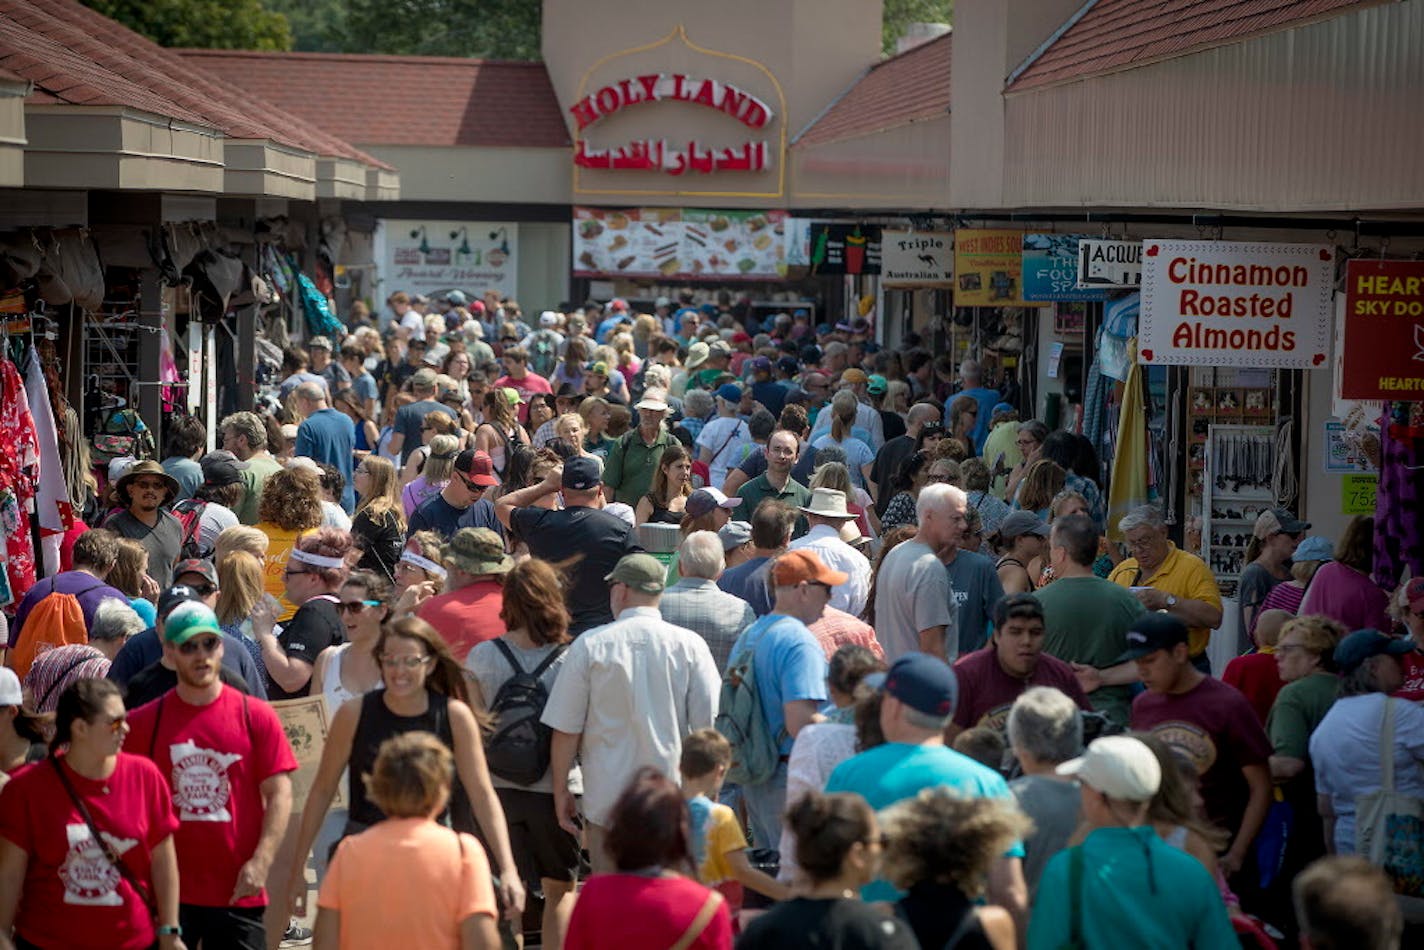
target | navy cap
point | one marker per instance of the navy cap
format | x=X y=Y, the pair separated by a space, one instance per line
x=731 y=392
x=759 y=364
x=1359 y=646
x=173 y=596
x=787 y=364
x=582 y=473
x=1151 y=632
x=924 y=683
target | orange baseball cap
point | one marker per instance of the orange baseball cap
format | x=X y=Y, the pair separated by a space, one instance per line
x=795 y=567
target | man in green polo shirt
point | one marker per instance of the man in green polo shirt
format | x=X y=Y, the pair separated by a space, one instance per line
x=776 y=482
x=634 y=458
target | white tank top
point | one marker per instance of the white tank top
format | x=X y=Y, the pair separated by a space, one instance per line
x=332 y=689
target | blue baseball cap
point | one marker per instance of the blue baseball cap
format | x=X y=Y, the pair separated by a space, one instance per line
x=1359 y=646
x=731 y=392
x=582 y=473
x=1314 y=548
x=924 y=683
x=787 y=364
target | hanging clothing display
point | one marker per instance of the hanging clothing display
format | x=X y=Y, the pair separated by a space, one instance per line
x=1399 y=544
x=19 y=454
x=53 y=510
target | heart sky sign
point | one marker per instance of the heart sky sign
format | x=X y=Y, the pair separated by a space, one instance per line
x=1227 y=303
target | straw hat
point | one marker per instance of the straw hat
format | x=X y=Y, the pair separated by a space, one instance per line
x=827 y=503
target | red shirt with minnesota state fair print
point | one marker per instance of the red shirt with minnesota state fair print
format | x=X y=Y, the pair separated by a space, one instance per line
x=216 y=758
x=72 y=896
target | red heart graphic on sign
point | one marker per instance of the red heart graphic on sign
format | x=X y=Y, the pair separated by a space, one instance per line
x=1326 y=254
x=1319 y=358
x=1152 y=251
x=1146 y=356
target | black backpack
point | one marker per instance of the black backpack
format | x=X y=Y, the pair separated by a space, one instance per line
x=518 y=749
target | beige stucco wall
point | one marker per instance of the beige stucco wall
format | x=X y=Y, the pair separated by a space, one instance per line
x=1323 y=117
x=899 y=168
x=796 y=55
x=518 y=175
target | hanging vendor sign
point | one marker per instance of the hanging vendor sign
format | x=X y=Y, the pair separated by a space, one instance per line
x=1109 y=265
x=1226 y=303
x=988 y=265
x=916 y=258
x=422 y=256
x=1383 y=355
x=1050 y=269
x=845 y=249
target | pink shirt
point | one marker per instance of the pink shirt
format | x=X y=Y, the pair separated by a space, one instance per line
x=1345 y=595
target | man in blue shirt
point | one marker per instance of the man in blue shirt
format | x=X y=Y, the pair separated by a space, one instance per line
x=454 y=508
x=970 y=378
x=790 y=668
x=920 y=692
x=329 y=436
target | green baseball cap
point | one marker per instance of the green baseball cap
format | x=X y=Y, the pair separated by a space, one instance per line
x=642 y=572
x=190 y=619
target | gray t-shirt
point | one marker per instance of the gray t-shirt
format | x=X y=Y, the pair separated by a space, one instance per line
x=975 y=588
x=1053 y=805
x=488 y=665
x=1256 y=582
x=912 y=594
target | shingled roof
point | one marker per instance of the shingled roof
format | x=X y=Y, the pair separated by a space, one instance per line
x=1110 y=35
x=403 y=100
x=910 y=87
x=75 y=55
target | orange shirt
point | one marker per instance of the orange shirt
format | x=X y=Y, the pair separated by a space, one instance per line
x=407 y=882
x=281 y=541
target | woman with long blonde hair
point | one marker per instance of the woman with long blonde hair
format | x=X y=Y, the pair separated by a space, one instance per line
x=434 y=475
x=434 y=425
x=240 y=589
x=378 y=526
x=859 y=456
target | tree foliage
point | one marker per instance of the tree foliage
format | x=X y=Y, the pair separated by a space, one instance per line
x=318 y=26
x=208 y=24
x=486 y=29
x=901 y=13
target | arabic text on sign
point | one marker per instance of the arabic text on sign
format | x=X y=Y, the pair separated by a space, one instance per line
x=659 y=155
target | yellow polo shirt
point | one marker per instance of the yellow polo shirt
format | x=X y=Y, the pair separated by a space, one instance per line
x=1184 y=576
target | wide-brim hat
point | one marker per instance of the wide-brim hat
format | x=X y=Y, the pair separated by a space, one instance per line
x=478 y=551
x=696 y=356
x=146 y=467
x=827 y=503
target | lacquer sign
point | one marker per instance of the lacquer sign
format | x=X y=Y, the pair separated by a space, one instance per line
x=674 y=158
x=1227 y=303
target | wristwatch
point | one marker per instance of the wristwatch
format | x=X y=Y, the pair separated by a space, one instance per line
x=170 y=931
x=1171 y=601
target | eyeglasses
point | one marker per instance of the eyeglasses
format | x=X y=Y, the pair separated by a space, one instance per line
x=404 y=662
x=356 y=606
x=1025 y=443
x=116 y=725
x=206 y=645
x=941 y=477
x=1289 y=647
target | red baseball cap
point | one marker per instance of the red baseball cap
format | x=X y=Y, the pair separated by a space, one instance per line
x=477 y=467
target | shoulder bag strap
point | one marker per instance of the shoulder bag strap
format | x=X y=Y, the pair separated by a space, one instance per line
x=735 y=430
x=157 y=718
x=49 y=691
x=700 y=922
x=1075 y=897
x=113 y=858
x=1386 y=743
x=509 y=656
x=548 y=661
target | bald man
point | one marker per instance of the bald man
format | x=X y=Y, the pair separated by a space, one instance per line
x=327 y=435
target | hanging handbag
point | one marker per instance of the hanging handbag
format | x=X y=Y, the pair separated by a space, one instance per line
x=1389 y=827
x=110 y=854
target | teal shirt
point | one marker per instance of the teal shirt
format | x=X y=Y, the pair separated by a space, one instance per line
x=896 y=771
x=1137 y=891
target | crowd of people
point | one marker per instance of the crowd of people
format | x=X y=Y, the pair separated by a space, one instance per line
x=888 y=685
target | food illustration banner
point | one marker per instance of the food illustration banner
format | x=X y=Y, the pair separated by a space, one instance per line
x=1232 y=303
x=917 y=258
x=679 y=242
x=1050 y=269
x=1383 y=354
x=988 y=264
x=423 y=256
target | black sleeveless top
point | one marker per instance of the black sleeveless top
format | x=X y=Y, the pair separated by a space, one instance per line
x=376 y=725
x=662 y=515
x=941 y=916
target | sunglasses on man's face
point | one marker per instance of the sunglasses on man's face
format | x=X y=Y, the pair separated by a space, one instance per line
x=206 y=645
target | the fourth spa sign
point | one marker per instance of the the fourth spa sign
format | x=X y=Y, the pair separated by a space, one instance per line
x=1226 y=303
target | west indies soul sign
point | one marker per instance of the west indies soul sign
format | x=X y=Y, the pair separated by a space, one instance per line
x=674 y=158
x=1225 y=303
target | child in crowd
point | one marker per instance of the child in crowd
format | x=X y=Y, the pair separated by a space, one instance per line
x=718 y=844
x=983 y=744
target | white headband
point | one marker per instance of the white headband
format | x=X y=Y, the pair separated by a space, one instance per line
x=317 y=560
x=424 y=563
